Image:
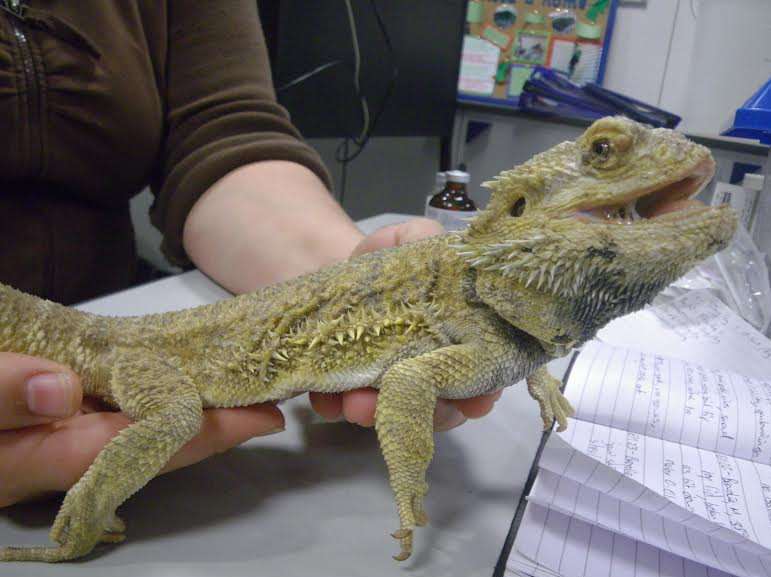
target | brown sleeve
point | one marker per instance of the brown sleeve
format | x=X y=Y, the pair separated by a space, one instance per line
x=221 y=110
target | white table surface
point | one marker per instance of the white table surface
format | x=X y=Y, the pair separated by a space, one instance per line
x=310 y=501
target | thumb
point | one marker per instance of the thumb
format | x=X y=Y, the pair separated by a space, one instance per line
x=34 y=391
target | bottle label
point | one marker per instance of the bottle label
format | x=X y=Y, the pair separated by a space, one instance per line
x=742 y=200
x=451 y=220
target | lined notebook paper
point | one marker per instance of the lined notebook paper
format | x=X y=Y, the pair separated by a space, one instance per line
x=665 y=470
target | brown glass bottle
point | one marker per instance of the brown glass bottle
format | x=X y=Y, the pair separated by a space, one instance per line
x=454 y=195
x=451 y=206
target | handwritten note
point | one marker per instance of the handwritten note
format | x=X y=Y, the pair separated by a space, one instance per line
x=713 y=494
x=695 y=327
x=581 y=502
x=721 y=496
x=666 y=468
x=679 y=401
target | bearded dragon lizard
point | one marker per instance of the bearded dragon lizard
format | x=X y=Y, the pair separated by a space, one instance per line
x=580 y=234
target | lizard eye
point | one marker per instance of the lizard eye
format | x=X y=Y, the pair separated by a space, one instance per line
x=519 y=207
x=601 y=153
x=601 y=148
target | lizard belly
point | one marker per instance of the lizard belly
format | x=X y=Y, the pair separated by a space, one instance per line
x=292 y=384
x=310 y=374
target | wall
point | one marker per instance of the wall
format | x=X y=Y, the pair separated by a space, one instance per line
x=730 y=60
x=637 y=61
x=700 y=59
x=390 y=175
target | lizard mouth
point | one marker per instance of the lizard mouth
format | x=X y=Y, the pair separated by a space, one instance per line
x=674 y=198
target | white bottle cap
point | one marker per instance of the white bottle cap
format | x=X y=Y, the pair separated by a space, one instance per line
x=441 y=178
x=458 y=176
x=753 y=181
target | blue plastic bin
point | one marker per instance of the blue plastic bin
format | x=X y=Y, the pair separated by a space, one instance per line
x=753 y=119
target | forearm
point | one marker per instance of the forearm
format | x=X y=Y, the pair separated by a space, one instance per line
x=267 y=222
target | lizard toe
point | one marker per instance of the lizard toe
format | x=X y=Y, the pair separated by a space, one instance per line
x=405 y=542
x=421 y=518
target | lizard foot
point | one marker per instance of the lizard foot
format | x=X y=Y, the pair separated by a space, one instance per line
x=554 y=406
x=79 y=526
x=418 y=517
x=76 y=530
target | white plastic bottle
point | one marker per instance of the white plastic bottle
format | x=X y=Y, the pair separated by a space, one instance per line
x=753 y=187
x=743 y=199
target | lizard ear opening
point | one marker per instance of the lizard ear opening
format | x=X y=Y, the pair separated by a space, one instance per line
x=518 y=208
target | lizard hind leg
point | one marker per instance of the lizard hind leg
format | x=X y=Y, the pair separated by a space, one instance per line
x=405 y=428
x=404 y=421
x=167 y=411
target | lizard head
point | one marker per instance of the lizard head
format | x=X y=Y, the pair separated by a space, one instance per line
x=593 y=229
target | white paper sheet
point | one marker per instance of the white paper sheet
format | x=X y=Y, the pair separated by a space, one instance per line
x=666 y=468
x=479 y=62
x=597 y=508
x=679 y=401
x=718 y=495
x=573 y=548
x=695 y=327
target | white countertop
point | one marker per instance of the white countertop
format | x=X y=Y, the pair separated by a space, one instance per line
x=310 y=501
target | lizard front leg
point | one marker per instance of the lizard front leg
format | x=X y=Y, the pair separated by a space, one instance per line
x=405 y=428
x=167 y=411
x=546 y=390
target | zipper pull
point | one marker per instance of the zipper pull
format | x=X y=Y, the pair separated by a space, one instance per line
x=14 y=7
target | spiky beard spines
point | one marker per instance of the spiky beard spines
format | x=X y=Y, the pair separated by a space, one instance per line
x=588 y=291
x=546 y=269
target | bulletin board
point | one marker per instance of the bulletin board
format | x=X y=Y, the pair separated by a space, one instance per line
x=505 y=39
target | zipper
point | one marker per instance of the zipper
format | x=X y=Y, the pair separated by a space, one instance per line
x=31 y=84
x=15 y=7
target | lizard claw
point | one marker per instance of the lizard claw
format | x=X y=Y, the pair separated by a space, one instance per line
x=405 y=536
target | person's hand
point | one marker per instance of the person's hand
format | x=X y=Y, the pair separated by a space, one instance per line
x=48 y=437
x=358 y=405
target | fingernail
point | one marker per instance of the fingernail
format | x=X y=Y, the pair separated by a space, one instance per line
x=272 y=431
x=50 y=394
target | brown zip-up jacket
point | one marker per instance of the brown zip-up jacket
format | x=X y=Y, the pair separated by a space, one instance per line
x=100 y=98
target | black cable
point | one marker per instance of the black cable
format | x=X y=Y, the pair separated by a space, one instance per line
x=307 y=75
x=342 y=154
x=360 y=144
x=343 y=173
